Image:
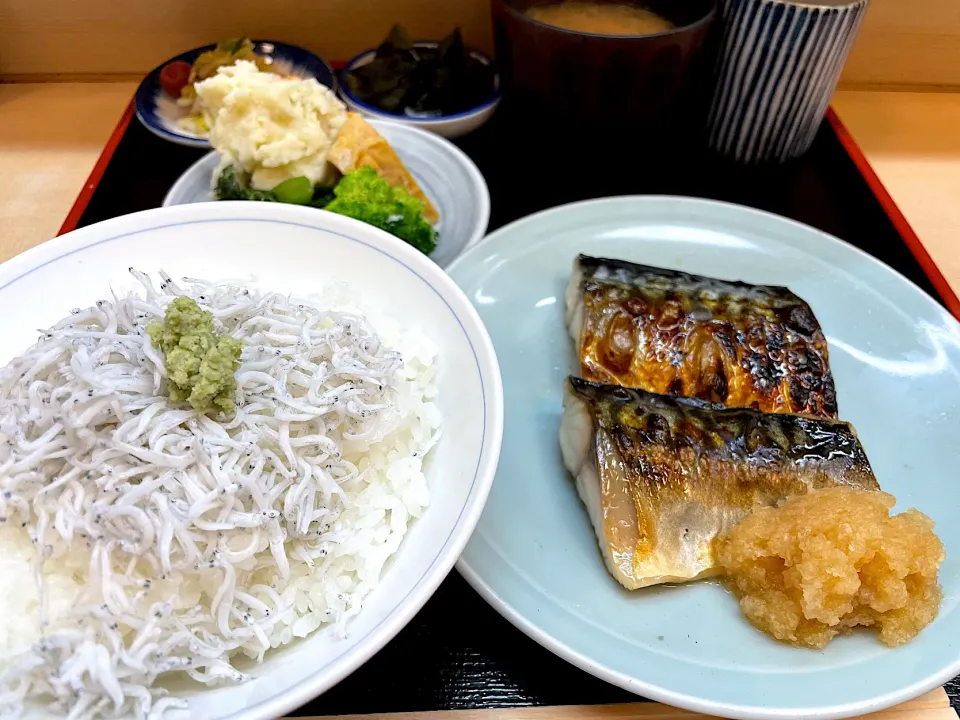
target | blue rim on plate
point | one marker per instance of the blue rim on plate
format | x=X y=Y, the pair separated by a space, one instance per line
x=150 y=97
x=360 y=59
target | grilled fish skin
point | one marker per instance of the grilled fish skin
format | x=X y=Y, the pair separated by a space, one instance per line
x=673 y=333
x=662 y=477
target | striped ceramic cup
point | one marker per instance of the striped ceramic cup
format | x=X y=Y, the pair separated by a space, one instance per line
x=778 y=66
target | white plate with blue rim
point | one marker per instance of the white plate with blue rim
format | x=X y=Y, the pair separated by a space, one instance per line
x=448 y=177
x=163 y=116
x=895 y=356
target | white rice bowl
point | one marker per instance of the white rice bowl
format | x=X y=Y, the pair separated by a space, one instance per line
x=413 y=307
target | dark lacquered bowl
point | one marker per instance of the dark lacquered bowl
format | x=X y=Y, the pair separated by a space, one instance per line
x=659 y=82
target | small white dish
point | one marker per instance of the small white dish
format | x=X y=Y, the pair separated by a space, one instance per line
x=294 y=249
x=449 y=126
x=448 y=177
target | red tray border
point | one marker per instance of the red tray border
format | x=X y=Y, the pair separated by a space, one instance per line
x=907 y=234
x=106 y=155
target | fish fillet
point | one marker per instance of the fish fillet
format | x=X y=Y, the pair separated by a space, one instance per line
x=662 y=477
x=673 y=333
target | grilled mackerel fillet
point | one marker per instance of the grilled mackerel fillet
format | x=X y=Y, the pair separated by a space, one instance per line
x=673 y=333
x=662 y=477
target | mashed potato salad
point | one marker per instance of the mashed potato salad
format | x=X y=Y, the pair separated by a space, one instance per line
x=290 y=140
x=141 y=537
x=269 y=126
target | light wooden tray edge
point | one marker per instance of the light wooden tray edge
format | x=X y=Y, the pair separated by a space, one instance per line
x=935 y=705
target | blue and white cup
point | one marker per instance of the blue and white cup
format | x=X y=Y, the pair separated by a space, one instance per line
x=779 y=63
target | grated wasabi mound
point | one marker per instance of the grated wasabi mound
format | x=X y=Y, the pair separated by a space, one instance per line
x=200 y=364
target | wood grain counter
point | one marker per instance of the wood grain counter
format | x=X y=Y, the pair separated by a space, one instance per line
x=901 y=42
x=912 y=140
x=932 y=706
x=51 y=135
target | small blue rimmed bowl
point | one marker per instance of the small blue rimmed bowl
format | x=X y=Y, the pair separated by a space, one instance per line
x=449 y=126
x=161 y=115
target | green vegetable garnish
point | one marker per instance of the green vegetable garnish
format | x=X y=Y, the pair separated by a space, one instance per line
x=200 y=364
x=296 y=191
x=232 y=186
x=364 y=195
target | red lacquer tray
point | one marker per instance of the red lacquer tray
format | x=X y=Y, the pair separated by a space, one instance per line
x=458 y=652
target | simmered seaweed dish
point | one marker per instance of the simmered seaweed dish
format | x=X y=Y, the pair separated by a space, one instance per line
x=406 y=78
x=674 y=333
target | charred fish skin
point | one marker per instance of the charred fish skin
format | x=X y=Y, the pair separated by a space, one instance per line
x=674 y=333
x=710 y=429
x=663 y=477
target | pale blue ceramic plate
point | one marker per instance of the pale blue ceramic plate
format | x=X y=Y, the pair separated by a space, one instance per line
x=895 y=355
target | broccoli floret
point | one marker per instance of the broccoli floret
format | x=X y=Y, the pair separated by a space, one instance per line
x=231 y=185
x=364 y=195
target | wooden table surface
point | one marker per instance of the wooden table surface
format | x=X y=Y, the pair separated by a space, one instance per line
x=51 y=135
x=932 y=706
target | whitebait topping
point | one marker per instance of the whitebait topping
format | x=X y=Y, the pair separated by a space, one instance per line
x=165 y=540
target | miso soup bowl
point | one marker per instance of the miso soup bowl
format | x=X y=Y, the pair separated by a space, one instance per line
x=658 y=82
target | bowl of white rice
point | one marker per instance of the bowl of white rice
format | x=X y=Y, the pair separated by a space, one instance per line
x=163 y=561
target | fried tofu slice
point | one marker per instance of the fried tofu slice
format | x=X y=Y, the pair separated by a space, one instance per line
x=360 y=145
